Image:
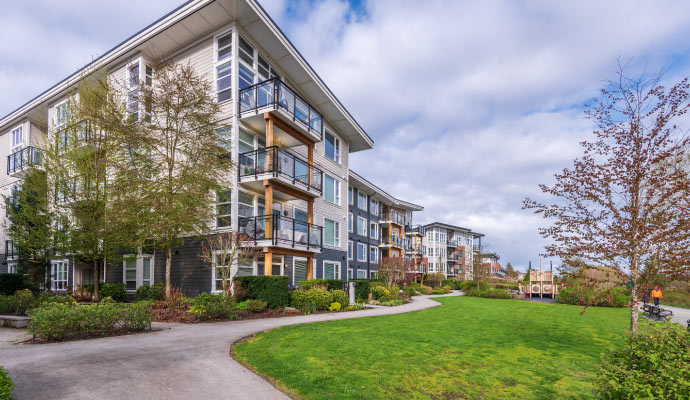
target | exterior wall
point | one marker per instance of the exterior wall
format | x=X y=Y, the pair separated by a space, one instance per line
x=354 y=264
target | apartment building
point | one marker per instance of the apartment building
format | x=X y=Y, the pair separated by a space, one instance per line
x=451 y=249
x=291 y=140
x=379 y=226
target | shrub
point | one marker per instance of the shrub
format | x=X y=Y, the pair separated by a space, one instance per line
x=10 y=283
x=409 y=291
x=655 y=363
x=434 y=279
x=488 y=293
x=328 y=284
x=6 y=385
x=273 y=289
x=118 y=291
x=57 y=321
x=426 y=290
x=212 y=306
x=580 y=295
x=335 y=307
x=146 y=292
x=394 y=292
x=380 y=293
x=448 y=282
x=362 y=288
x=24 y=301
x=466 y=285
x=256 y=306
x=338 y=296
x=311 y=300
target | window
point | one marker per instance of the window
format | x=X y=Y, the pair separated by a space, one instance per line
x=331 y=234
x=373 y=275
x=224 y=47
x=374 y=230
x=332 y=190
x=350 y=222
x=246 y=51
x=58 y=275
x=299 y=270
x=223 y=208
x=350 y=274
x=246 y=77
x=12 y=268
x=224 y=137
x=331 y=270
x=349 y=195
x=332 y=147
x=349 y=249
x=224 y=67
x=245 y=207
x=17 y=139
x=373 y=207
x=361 y=226
x=361 y=200
x=138 y=272
x=361 y=274
x=373 y=254
x=133 y=96
x=361 y=252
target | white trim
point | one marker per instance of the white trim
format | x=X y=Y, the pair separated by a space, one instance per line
x=350 y=250
x=350 y=223
x=365 y=225
x=52 y=271
x=337 y=269
x=337 y=147
x=139 y=268
x=365 y=252
x=336 y=234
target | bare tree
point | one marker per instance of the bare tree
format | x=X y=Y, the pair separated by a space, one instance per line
x=393 y=270
x=223 y=250
x=623 y=205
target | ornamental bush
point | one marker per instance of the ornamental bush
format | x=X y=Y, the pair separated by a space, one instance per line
x=6 y=385
x=10 y=283
x=409 y=291
x=328 y=284
x=338 y=296
x=380 y=293
x=146 y=292
x=335 y=307
x=488 y=293
x=361 y=289
x=654 y=364
x=212 y=306
x=256 y=306
x=273 y=289
x=579 y=295
x=117 y=291
x=58 y=321
x=311 y=300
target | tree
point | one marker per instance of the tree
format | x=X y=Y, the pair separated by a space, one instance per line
x=182 y=158
x=623 y=204
x=510 y=271
x=482 y=271
x=393 y=270
x=30 y=224
x=223 y=250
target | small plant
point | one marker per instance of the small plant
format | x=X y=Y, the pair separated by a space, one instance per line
x=311 y=300
x=212 y=306
x=146 y=292
x=6 y=385
x=256 y=306
x=335 y=307
x=338 y=296
x=380 y=293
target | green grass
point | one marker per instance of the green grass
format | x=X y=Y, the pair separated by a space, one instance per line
x=675 y=299
x=471 y=348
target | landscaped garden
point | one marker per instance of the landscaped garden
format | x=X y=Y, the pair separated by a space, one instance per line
x=467 y=348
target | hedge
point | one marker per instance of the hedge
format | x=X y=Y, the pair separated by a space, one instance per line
x=580 y=295
x=117 y=291
x=273 y=289
x=361 y=288
x=10 y=283
x=330 y=284
x=6 y=385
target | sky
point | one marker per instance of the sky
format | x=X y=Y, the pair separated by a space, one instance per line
x=470 y=104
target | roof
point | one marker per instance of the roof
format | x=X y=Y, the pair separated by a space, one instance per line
x=453 y=228
x=387 y=199
x=172 y=32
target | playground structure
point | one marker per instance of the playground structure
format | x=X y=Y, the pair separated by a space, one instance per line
x=540 y=284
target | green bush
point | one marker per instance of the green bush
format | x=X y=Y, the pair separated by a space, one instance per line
x=273 y=289
x=146 y=292
x=118 y=291
x=338 y=296
x=394 y=292
x=10 y=283
x=655 y=363
x=466 y=285
x=448 y=282
x=409 y=291
x=579 y=295
x=311 y=300
x=256 y=306
x=361 y=289
x=380 y=293
x=488 y=293
x=328 y=284
x=58 y=321
x=212 y=306
x=6 y=385
x=24 y=301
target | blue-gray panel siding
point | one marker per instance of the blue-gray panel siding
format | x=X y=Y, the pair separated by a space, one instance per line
x=357 y=238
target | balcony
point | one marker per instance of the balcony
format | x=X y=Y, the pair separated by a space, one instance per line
x=415 y=230
x=279 y=231
x=10 y=252
x=20 y=161
x=278 y=98
x=279 y=164
x=391 y=241
x=455 y=243
x=392 y=217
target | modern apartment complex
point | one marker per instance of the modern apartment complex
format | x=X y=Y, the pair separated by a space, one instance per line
x=378 y=227
x=451 y=249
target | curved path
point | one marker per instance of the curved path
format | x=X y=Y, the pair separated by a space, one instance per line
x=177 y=362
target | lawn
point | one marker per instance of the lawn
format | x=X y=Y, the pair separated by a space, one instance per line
x=468 y=348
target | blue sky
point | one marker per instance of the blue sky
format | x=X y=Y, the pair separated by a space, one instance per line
x=471 y=104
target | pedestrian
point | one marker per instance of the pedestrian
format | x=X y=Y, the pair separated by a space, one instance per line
x=656 y=295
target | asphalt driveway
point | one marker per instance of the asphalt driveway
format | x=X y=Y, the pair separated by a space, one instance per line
x=175 y=362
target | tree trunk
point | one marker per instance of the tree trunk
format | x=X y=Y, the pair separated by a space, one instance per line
x=634 y=311
x=96 y=290
x=168 y=265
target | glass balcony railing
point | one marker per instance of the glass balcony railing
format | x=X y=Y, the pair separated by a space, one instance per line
x=24 y=158
x=275 y=93
x=280 y=162
x=416 y=229
x=282 y=231
x=394 y=217
x=392 y=241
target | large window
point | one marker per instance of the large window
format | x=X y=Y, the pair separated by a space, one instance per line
x=361 y=200
x=17 y=139
x=58 y=275
x=246 y=77
x=332 y=147
x=245 y=204
x=350 y=223
x=224 y=67
x=374 y=230
x=223 y=208
x=138 y=272
x=332 y=190
x=373 y=254
x=374 y=207
x=361 y=274
x=349 y=249
x=331 y=270
x=224 y=47
x=361 y=226
x=361 y=252
x=349 y=195
x=331 y=234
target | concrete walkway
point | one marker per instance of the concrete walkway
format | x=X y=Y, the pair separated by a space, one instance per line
x=680 y=315
x=180 y=362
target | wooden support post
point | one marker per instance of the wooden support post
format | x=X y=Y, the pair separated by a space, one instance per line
x=310 y=268
x=269 y=208
x=269 y=141
x=310 y=159
x=310 y=211
x=268 y=263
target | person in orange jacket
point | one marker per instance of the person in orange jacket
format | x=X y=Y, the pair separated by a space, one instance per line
x=656 y=295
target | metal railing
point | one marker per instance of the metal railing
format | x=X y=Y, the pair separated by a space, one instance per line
x=275 y=93
x=455 y=243
x=9 y=249
x=26 y=157
x=280 y=162
x=283 y=230
x=416 y=229
x=392 y=240
x=393 y=216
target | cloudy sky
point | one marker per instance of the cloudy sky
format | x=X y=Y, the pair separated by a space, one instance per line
x=471 y=104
